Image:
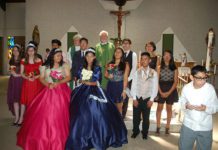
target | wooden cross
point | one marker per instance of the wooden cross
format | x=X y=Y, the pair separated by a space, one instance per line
x=119 y=15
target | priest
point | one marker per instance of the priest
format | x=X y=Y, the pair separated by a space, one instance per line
x=104 y=54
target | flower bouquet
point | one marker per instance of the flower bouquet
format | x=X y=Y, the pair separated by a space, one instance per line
x=111 y=68
x=86 y=75
x=12 y=68
x=56 y=76
x=32 y=74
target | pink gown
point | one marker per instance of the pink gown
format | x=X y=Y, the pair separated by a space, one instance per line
x=46 y=121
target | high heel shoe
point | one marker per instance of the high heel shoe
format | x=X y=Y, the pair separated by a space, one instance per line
x=19 y=124
x=158 y=131
x=14 y=124
x=167 y=131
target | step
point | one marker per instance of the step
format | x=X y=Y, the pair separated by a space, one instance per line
x=174 y=127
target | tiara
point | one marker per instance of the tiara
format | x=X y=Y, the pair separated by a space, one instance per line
x=58 y=50
x=31 y=45
x=90 y=50
x=17 y=45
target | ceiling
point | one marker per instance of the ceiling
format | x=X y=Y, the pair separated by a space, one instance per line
x=15 y=1
x=130 y=5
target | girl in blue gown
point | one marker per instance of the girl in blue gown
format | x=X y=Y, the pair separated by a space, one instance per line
x=95 y=121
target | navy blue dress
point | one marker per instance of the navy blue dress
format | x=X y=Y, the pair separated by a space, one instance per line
x=94 y=120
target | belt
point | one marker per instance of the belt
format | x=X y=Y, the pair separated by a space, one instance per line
x=141 y=99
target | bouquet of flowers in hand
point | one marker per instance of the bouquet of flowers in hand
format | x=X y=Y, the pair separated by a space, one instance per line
x=12 y=68
x=111 y=68
x=86 y=75
x=32 y=74
x=56 y=76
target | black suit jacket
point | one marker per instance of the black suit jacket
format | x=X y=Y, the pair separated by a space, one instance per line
x=77 y=63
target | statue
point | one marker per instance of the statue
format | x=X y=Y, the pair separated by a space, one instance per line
x=36 y=35
x=183 y=59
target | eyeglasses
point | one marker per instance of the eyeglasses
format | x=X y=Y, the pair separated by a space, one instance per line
x=200 y=78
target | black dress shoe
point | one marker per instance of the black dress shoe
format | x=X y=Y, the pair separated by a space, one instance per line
x=134 y=135
x=144 y=137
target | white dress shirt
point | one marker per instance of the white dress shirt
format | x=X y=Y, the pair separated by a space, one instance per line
x=144 y=84
x=65 y=57
x=206 y=95
x=134 y=64
x=83 y=53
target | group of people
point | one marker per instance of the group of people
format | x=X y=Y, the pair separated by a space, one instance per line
x=79 y=99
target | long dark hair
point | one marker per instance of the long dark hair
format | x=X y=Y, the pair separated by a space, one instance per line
x=122 y=64
x=50 y=60
x=12 y=60
x=172 y=64
x=85 y=64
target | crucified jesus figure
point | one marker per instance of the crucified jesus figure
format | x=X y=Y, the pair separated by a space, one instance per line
x=119 y=15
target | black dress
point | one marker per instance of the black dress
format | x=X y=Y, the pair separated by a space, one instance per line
x=166 y=82
x=153 y=62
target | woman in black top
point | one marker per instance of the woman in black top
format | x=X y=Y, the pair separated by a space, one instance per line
x=168 y=78
x=150 y=47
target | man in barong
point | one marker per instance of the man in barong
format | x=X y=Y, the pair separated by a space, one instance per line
x=71 y=52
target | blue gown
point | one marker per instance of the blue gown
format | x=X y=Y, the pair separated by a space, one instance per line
x=94 y=120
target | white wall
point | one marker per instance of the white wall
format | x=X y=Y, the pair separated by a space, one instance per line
x=2 y=22
x=54 y=18
x=15 y=19
x=190 y=21
x=12 y=23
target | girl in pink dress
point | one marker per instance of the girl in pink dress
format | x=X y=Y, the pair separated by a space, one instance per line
x=46 y=123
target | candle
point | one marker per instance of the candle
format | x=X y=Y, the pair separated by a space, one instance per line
x=139 y=59
x=214 y=69
x=139 y=56
x=208 y=58
x=202 y=62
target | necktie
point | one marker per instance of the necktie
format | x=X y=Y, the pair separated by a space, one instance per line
x=125 y=55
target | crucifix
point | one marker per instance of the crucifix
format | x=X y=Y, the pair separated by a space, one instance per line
x=119 y=15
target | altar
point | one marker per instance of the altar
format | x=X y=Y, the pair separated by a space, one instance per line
x=189 y=64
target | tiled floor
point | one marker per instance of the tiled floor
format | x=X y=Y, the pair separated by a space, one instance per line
x=162 y=142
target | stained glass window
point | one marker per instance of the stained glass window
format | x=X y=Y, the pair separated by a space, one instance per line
x=10 y=45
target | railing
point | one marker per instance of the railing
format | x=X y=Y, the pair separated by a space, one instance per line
x=182 y=81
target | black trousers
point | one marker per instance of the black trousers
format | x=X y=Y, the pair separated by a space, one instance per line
x=126 y=102
x=143 y=110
